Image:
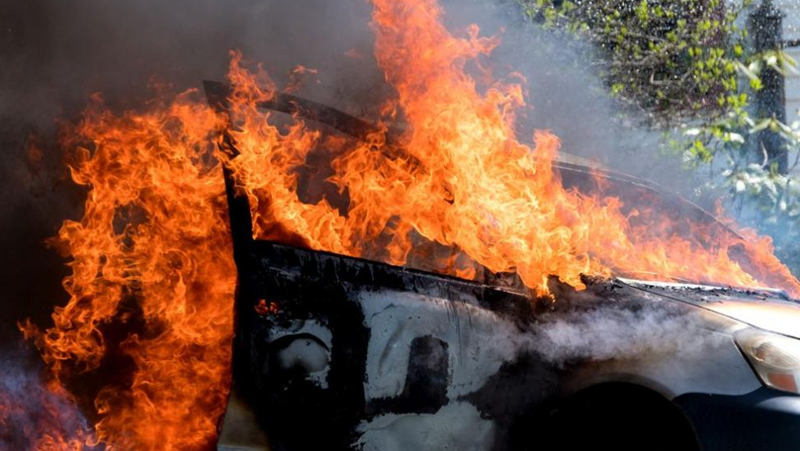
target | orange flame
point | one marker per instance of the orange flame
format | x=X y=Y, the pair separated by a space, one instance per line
x=467 y=183
x=151 y=257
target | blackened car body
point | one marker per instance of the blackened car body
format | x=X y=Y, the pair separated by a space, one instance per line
x=338 y=353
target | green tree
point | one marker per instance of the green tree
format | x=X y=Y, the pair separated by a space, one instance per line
x=688 y=68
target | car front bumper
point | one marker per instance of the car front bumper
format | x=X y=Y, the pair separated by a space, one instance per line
x=764 y=419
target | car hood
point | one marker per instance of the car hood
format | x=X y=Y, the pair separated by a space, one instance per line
x=780 y=317
x=766 y=309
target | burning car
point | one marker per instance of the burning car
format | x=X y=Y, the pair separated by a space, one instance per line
x=341 y=352
x=438 y=276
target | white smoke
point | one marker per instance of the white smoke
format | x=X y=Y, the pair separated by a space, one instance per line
x=30 y=413
x=619 y=332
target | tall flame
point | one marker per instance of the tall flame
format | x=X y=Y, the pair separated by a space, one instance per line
x=152 y=271
x=467 y=181
x=152 y=263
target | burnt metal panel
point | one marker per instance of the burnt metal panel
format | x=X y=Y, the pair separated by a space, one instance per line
x=302 y=339
x=302 y=287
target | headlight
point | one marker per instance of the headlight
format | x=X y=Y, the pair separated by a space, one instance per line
x=775 y=358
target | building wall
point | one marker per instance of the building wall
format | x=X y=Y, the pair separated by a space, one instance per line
x=791 y=30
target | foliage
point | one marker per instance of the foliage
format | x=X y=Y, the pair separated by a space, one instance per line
x=688 y=68
x=669 y=58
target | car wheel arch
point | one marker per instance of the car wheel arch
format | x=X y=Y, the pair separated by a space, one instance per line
x=605 y=412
